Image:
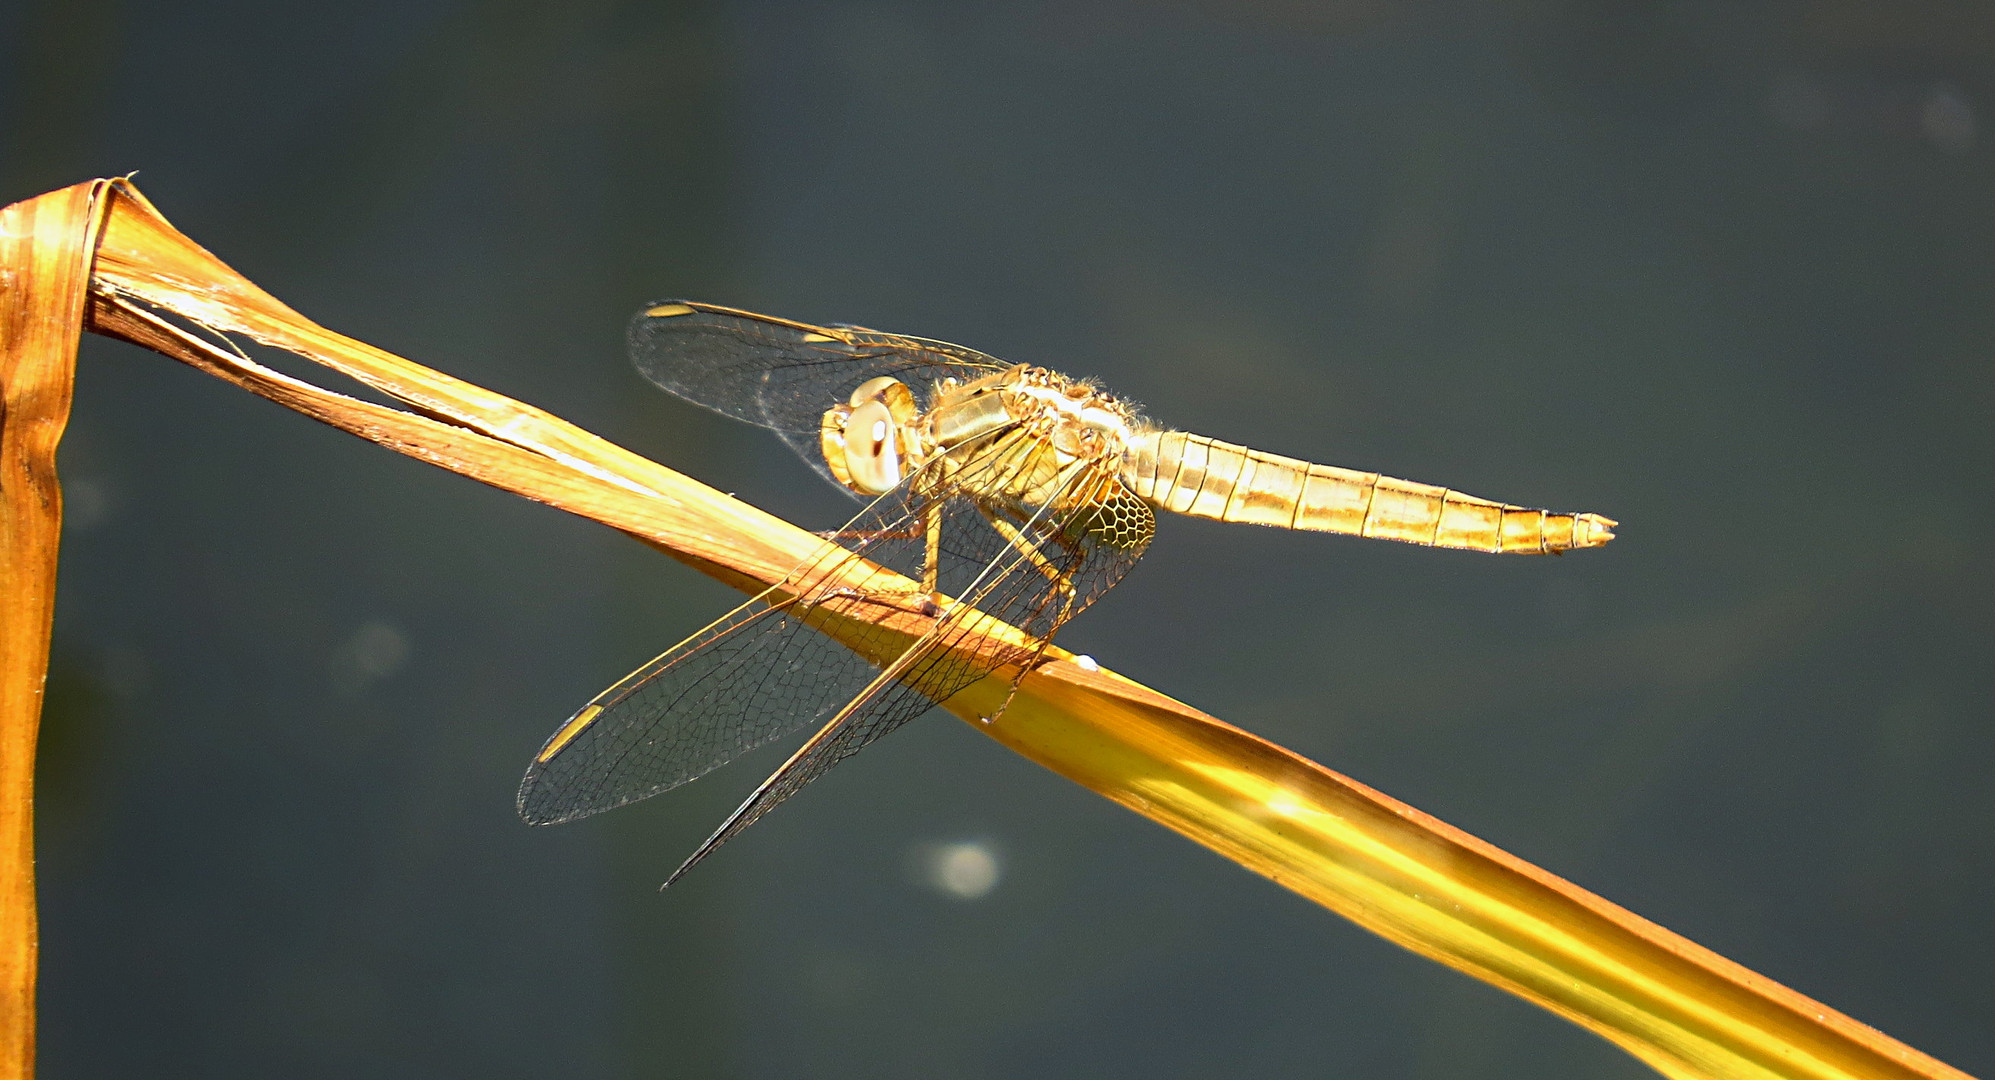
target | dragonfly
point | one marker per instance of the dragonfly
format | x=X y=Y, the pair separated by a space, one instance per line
x=990 y=489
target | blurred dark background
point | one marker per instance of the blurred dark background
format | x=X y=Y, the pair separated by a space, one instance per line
x=1721 y=270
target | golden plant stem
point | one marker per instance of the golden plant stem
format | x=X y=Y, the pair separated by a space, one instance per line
x=45 y=247
x=1415 y=880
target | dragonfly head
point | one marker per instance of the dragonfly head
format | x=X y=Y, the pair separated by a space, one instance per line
x=865 y=440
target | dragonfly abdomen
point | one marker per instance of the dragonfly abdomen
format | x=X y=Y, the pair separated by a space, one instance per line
x=1201 y=477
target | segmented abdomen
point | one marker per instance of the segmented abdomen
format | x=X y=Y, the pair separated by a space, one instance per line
x=1191 y=474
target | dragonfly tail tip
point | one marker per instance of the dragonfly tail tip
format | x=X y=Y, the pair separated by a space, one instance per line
x=1592 y=530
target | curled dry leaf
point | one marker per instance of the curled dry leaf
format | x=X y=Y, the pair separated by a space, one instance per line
x=44 y=282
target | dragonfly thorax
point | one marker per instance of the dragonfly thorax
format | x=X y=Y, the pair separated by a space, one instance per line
x=881 y=436
x=1078 y=418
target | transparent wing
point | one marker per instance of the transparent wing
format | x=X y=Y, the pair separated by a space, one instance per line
x=757 y=674
x=1048 y=571
x=780 y=374
x=764 y=671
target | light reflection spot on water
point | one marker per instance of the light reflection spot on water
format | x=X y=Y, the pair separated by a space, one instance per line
x=86 y=503
x=1947 y=118
x=375 y=651
x=963 y=871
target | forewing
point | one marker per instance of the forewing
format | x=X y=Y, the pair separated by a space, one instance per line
x=1015 y=578
x=780 y=374
x=759 y=673
x=763 y=670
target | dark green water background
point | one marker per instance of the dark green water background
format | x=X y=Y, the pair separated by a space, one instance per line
x=1724 y=271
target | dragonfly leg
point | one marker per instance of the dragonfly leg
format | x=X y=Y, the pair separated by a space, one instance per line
x=1062 y=579
x=1067 y=594
x=868 y=534
x=931 y=567
x=931 y=531
x=911 y=601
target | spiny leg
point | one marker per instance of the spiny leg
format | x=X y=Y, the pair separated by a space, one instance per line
x=908 y=533
x=930 y=528
x=1063 y=585
x=1061 y=577
x=931 y=567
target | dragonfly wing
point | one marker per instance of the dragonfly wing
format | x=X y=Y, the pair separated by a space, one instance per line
x=1035 y=576
x=757 y=674
x=881 y=707
x=780 y=374
x=764 y=670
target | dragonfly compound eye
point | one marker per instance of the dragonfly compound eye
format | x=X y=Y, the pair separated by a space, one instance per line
x=888 y=389
x=862 y=437
x=873 y=452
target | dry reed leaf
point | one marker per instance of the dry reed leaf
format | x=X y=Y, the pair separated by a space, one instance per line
x=1400 y=873
x=44 y=281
